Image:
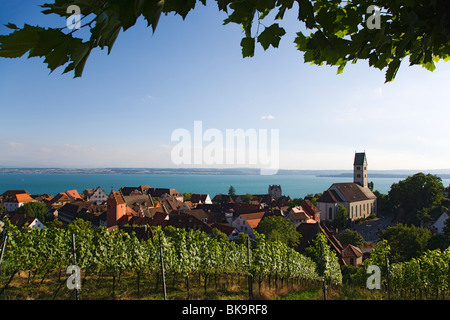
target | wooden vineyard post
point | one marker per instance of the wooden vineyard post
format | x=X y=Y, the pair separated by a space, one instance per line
x=162 y=268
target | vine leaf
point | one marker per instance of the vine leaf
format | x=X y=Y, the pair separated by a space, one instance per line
x=271 y=36
x=248 y=47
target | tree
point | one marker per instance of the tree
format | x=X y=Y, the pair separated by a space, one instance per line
x=247 y=198
x=383 y=202
x=406 y=242
x=35 y=209
x=219 y=235
x=327 y=264
x=416 y=195
x=351 y=237
x=276 y=228
x=337 y=32
x=187 y=196
x=295 y=202
x=341 y=216
x=231 y=191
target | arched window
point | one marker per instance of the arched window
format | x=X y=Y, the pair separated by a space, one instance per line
x=330 y=213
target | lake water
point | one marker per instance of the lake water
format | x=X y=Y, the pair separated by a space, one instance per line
x=293 y=185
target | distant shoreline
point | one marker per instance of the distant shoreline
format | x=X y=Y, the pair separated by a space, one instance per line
x=443 y=173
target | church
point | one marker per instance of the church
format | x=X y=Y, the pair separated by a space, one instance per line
x=355 y=196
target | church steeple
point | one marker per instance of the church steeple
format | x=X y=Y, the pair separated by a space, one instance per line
x=360 y=169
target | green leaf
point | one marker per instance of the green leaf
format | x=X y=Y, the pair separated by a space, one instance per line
x=341 y=68
x=152 y=11
x=248 y=47
x=19 y=42
x=11 y=26
x=392 y=70
x=271 y=36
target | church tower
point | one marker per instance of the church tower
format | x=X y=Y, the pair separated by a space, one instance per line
x=360 y=169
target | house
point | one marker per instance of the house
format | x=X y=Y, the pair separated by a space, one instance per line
x=311 y=209
x=355 y=196
x=62 y=198
x=22 y=220
x=84 y=210
x=134 y=191
x=164 y=193
x=187 y=222
x=200 y=198
x=242 y=207
x=352 y=255
x=13 y=202
x=59 y=200
x=439 y=224
x=73 y=195
x=222 y=198
x=139 y=203
x=202 y=215
x=297 y=216
x=97 y=196
x=231 y=232
x=247 y=222
x=187 y=205
x=9 y=193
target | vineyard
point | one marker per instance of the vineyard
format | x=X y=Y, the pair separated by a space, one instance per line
x=424 y=277
x=180 y=264
x=191 y=258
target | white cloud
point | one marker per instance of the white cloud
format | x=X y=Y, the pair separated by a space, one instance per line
x=268 y=117
x=378 y=91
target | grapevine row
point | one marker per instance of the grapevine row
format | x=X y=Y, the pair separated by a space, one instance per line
x=185 y=253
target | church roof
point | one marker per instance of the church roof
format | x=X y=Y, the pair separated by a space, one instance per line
x=353 y=192
x=330 y=196
x=360 y=157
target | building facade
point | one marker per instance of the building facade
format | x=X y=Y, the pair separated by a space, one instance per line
x=355 y=196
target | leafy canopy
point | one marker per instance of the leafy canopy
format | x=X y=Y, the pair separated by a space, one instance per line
x=337 y=32
x=416 y=195
x=278 y=228
x=34 y=209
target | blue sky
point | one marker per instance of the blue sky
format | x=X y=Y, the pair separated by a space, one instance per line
x=123 y=110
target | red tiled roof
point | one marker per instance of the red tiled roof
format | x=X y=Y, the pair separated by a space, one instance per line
x=23 y=197
x=73 y=194
x=351 y=251
x=118 y=197
x=253 y=219
x=309 y=208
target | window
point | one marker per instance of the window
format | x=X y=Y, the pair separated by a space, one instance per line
x=358 y=168
x=358 y=175
x=330 y=213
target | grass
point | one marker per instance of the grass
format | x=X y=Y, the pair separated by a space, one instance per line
x=95 y=287
x=26 y=286
x=307 y=294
